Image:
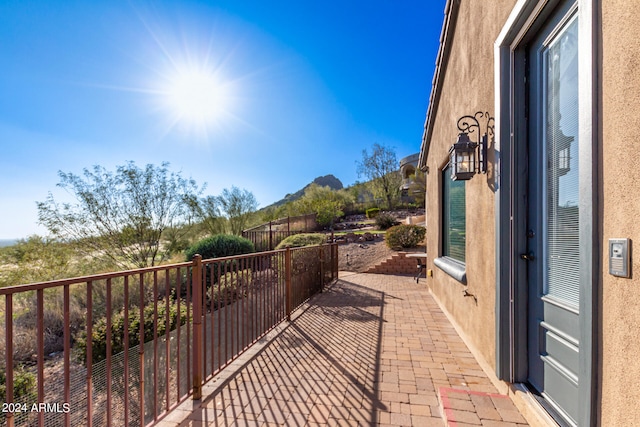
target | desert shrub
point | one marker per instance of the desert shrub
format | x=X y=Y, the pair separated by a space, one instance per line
x=231 y=286
x=176 y=241
x=220 y=245
x=385 y=220
x=302 y=239
x=99 y=330
x=404 y=236
x=24 y=383
x=372 y=213
x=25 y=317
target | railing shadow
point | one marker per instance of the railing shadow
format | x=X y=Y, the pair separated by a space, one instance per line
x=325 y=364
x=141 y=342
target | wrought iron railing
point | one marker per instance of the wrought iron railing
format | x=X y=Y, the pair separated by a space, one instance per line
x=265 y=237
x=135 y=344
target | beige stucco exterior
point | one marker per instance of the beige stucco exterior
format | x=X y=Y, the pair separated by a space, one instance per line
x=620 y=211
x=467 y=88
x=465 y=84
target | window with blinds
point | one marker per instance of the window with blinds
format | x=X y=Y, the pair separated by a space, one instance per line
x=454 y=217
x=561 y=152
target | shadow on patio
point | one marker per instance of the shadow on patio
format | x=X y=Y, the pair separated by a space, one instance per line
x=370 y=350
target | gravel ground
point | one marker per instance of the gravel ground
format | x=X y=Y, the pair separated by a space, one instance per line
x=359 y=257
x=363 y=255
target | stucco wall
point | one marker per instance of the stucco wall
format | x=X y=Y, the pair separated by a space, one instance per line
x=620 y=211
x=468 y=87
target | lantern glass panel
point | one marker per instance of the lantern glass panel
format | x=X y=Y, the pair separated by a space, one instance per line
x=463 y=159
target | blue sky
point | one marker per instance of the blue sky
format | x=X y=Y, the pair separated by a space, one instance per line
x=300 y=89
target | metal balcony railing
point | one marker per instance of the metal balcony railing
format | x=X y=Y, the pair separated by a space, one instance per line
x=135 y=344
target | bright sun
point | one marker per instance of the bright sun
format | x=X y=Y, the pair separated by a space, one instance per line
x=196 y=97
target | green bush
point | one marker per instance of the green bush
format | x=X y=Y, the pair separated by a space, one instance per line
x=99 y=330
x=405 y=236
x=24 y=383
x=302 y=239
x=373 y=212
x=220 y=245
x=385 y=220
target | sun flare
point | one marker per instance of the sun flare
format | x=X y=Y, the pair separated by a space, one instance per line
x=196 y=97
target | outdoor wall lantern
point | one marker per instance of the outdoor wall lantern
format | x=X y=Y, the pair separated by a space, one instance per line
x=467 y=157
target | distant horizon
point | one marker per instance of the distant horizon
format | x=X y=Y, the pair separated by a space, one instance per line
x=264 y=97
x=11 y=241
x=43 y=232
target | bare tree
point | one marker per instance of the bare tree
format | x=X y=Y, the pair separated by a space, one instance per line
x=237 y=205
x=121 y=216
x=382 y=169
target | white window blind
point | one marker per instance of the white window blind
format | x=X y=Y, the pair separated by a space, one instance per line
x=561 y=152
x=454 y=217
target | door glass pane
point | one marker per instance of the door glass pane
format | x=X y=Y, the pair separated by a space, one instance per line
x=561 y=155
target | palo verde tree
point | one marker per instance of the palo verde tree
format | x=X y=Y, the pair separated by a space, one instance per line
x=37 y=259
x=326 y=203
x=382 y=169
x=121 y=215
x=208 y=212
x=237 y=205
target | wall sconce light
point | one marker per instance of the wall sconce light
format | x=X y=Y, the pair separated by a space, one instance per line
x=467 y=157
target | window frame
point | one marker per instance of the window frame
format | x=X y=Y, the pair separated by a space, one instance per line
x=451 y=265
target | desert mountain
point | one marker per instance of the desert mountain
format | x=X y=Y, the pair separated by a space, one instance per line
x=323 y=181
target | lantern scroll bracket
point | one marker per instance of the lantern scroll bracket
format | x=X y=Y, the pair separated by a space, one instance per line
x=469 y=153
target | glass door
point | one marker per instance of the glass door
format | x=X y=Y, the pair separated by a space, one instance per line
x=553 y=218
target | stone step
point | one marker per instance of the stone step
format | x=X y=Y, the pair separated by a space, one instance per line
x=396 y=264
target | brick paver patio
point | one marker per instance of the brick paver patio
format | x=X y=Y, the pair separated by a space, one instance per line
x=371 y=350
